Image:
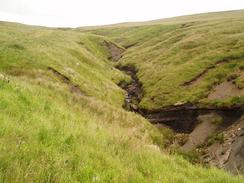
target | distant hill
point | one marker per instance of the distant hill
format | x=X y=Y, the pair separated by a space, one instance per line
x=182 y=59
x=62 y=116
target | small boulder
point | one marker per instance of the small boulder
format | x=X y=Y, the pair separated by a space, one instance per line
x=1 y=76
x=4 y=78
x=179 y=103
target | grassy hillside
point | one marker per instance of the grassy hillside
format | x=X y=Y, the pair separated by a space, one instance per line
x=180 y=19
x=172 y=54
x=61 y=118
x=28 y=51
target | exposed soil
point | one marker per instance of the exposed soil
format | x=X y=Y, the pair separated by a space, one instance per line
x=224 y=90
x=115 y=51
x=201 y=132
x=185 y=120
x=74 y=88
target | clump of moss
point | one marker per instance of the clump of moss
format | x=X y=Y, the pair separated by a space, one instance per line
x=217 y=120
x=232 y=77
x=191 y=156
x=217 y=137
x=17 y=46
x=239 y=82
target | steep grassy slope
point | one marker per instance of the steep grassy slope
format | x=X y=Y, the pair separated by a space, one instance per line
x=30 y=50
x=181 y=60
x=61 y=118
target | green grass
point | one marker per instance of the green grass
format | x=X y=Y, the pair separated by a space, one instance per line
x=50 y=134
x=81 y=57
x=168 y=53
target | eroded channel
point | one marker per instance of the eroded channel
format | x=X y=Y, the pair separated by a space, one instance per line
x=182 y=119
x=197 y=123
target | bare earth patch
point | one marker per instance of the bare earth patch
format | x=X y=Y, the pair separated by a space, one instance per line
x=202 y=131
x=225 y=90
x=115 y=51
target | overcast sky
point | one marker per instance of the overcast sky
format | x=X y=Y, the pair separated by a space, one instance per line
x=74 y=13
